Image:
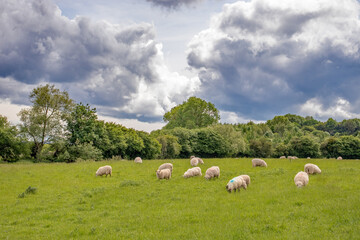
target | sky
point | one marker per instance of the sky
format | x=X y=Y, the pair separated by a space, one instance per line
x=134 y=60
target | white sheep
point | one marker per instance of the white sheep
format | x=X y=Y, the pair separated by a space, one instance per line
x=200 y=161
x=235 y=184
x=282 y=157
x=163 y=174
x=308 y=158
x=212 y=172
x=192 y=172
x=194 y=161
x=310 y=168
x=301 y=179
x=138 y=160
x=105 y=170
x=256 y=162
x=339 y=158
x=166 y=166
x=246 y=178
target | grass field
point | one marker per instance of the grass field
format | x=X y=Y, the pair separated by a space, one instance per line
x=71 y=203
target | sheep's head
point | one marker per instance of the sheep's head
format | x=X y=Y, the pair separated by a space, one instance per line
x=299 y=184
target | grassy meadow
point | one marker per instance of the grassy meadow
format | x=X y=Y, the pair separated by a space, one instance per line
x=71 y=203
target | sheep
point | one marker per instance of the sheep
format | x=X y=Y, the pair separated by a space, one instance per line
x=192 y=172
x=258 y=162
x=310 y=168
x=212 y=172
x=194 y=161
x=138 y=160
x=166 y=166
x=235 y=184
x=105 y=170
x=191 y=157
x=301 y=179
x=163 y=174
x=308 y=158
x=339 y=158
x=200 y=161
x=282 y=157
x=246 y=179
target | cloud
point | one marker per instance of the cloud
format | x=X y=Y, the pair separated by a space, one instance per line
x=234 y=118
x=263 y=58
x=121 y=70
x=339 y=109
x=173 y=4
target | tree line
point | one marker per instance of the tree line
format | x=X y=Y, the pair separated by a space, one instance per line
x=55 y=129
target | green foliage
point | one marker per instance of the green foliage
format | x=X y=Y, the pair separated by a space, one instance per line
x=350 y=147
x=331 y=147
x=170 y=148
x=45 y=119
x=303 y=147
x=85 y=151
x=261 y=147
x=10 y=145
x=209 y=143
x=194 y=113
x=281 y=150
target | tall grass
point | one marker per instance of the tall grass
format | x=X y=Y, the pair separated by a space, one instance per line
x=71 y=203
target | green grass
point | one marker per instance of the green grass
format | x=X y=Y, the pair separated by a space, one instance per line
x=71 y=203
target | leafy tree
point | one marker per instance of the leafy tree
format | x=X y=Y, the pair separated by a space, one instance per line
x=152 y=148
x=170 y=148
x=281 y=150
x=208 y=143
x=303 y=147
x=45 y=120
x=261 y=147
x=350 y=147
x=194 y=113
x=331 y=147
x=10 y=145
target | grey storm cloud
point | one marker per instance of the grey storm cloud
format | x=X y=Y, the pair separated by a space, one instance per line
x=103 y=64
x=262 y=58
x=173 y=4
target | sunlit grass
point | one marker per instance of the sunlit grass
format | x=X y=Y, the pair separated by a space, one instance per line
x=70 y=202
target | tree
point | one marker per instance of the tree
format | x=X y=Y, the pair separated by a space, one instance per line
x=10 y=145
x=45 y=120
x=261 y=147
x=331 y=147
x=170 y=148
x=303 y=147
x=194 y=113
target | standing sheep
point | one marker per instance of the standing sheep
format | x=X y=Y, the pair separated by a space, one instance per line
x=256 y=162
x=166 y=166
x=246 y=179
x=200 y=161
x=310 y=168
x=192 y=172
x=235 y=184
x=105 y=170
x=301 y=179
x=282 y=157
x=339 y=158
x=138 y=160
x=163 y=174
x=194 y=161
x=212 y=172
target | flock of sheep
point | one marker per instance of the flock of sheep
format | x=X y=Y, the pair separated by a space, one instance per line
x=165 y=171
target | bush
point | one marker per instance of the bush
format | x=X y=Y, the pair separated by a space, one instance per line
x=85 y=151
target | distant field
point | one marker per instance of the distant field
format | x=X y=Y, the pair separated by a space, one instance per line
x=71 y=203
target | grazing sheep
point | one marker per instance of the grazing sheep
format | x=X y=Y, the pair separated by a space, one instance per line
x=308 y=158
x=166 y=166
x=163 y=174
x=138 y=160
x=339 y=158
x=235 y=184
x=200 y=161
x=212 y=172
x=282 y=157
x=105 y=170
x=310 y=168
x=194 y=161
x=246 y=179
x=301 y=179
x=256 y=162
x=192 y=172
x=191 y=157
